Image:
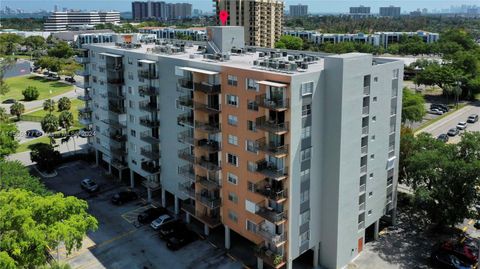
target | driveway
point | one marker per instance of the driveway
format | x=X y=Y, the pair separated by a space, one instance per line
x=120 y=242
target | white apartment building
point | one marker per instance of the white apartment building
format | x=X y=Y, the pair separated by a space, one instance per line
x=62 y=21
x=295 y=151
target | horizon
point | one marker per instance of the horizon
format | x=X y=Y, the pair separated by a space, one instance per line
x=314 y=6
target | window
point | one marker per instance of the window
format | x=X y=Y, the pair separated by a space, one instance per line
x=251 y=126
x=250 y=206
x=133 y=133
x=232 y=197
x=372 y=156
x=395 y=73
x=130 y=104
x=307 y=88
x=251 y=226
x=374 y=99
x=132 y=118
x=304 y=237
x=305 y=217
x=252 y=85
x=252 y=105
x=251 y=146
x=232 y=80
x=232 y=100
x=130 y=75
x=306 y=132
x=250 y=186
x=370 y=194
x=251 y=166
x=232 y=120
x=130 y=90
x=101 y=69
x=369 y=212
x=232 y=178
x=306 y=110
x=305 y=154
x=374 y=118
x=375 y=79
x=129 y=60
x=232 y=159
x=232 y=216
x=305 y=175
x=304 y=196
x=233 y=140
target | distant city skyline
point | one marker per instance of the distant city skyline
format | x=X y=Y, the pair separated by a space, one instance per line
x=315 y=6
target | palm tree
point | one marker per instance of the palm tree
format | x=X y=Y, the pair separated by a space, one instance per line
x=66 y=121
x=17 y=109
x=49 y=105
x=49 y=125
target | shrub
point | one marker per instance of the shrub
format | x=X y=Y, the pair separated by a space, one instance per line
x=30 y=93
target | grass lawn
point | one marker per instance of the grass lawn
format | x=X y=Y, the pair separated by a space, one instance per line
x=46 y=87
x=24 y=146
x=74 y=109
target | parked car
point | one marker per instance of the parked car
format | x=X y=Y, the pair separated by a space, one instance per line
x=160 y=221
x=441 y=107
x=89 y=185
x=181 y=239
x=171 y=229
x=443 y=138
x=33 y=133
x=70 y=79
x=9 y=101
x=453 y=132
x=461 y=251
x=436 y=111
x=150 y=214
x=444 y=259
x=124 y=197
x=462 y=125
x=472 y=118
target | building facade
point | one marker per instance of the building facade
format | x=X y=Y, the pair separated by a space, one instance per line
x=298 y=10
x=295 y=151
x=360 y=12
x=194 y=34
x=160 y=10
x=261 y=19
x=390 y=11
x=62 y=21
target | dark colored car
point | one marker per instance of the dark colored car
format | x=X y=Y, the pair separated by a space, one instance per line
x=9 y=101
x=472 y=118
x=453 y=132
x=151 y=214
x=33 y=133
x=124 y=197
x=443 y=138
x=442 y=107
x=443 y=259
x=461 y=251
x=70 y=79
x=171 y=229
x=180 y=240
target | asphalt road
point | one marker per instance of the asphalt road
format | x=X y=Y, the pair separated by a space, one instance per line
x=442 y=126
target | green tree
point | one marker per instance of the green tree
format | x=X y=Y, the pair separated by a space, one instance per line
x=289 y=42
x=49 y=123
x=9 y=43
x=5 y=64
x=66 y=120
x=14 y=175
x=61 y=50
x=3 y=115
x=17 y=109
x=413 y=106
x=8 y=144
x=441 y=75
x=49 y=105
x=46 y=157
x=34 y=42
x=6 y=262
x=30 y=93
x=64 y=104
x=32 y=224
x=51 y=63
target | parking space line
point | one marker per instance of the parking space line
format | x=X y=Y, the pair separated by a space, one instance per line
x=231 y=257
x=131 y=216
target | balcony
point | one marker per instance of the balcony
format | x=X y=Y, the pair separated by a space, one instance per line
x=208 y=145
x=188 y=188
x=118 y=150
x=116 y=108
x=271 y=170
x=209 y=109
x=365 y=110
x=365 y=130
x=186 y=137
x=149 y=123
x=209 y=183
x=211 y=165
x=150 y=167
x=366 y=90
x=208 y=127
x=147 y=74
x=151 y=154
x=272 y=215
x=209 y=201
x=271 y=126
x=148 y=91
x=363 y=169
x=364 y=150
x=118 y=138
x=185 y=101
x=148 y=106
x=114 y=67
x=85 y=110
x=185 y=119
x=277 y=239
x=361 y=225
x=186 y=155
x=84 y=98
x=115 y=123
x=82 y=59
x=115 y=81
x=207 y=88
x=363 y=188
x=82 y=72
x=185 y=83
x=274 y=149
x=187 y=172
x=116 y=96
x=212 y=220
x=148 y=138
x=277 y=194
x=272 y=103
x=361 y=207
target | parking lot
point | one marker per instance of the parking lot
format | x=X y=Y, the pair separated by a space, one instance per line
x=120 y=242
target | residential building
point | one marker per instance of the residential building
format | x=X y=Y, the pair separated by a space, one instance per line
x=262 y=19
x=298 y=10
x=360 y=12
x=295 y=151
x=390 y=11
x=160 y=10
x=193 y=33
x=62 y=21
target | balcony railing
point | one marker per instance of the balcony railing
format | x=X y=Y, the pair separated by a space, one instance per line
x=85 y=110
x=271 y=126
x=363 y=188
x=148 y=91
x=116 y=108
x=208 y=108
x=366 y=90
x=187 y=171
x=209 y=201
x=364 y=130
x=115 y=81
x=268 y=191
x=83 y=72
x=82 y=59
x=115 y=123
x=149 y=123
x=85 y=120
x=148 y=106
x=186 y=154
x=361 y=207
x=211 y=220
x=209 y=183
x=271 y=170
x=271 y=148
x=147 y=74
x=365 y=110
x=209 y=164
x=209 y=145
x=361 y=225
x=271 y=215
x=118 y=150
x=276 y=239
x=116 y=95
x=185 y=119
x=207 y=88
x=118 y=137
x=186 y=137
x=185 y=101
x=272 y=102
x=114 y=67
x=209 y=127
x=84 y=98
x=270 y=257
x=363 y=169
x=185 y=83
x=364 y=149
x=188 y=188
x=151 y=154
x=150 y=167
x=148 y=138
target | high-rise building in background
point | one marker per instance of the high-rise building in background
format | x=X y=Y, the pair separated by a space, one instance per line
x=61 y=21
x=298 y=10
x=160 y=10
x=262 y=19
x=360 y=12
x=295 y=151
x=390 y=11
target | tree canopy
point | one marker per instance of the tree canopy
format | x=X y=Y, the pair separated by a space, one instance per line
x=13 y=175
x=413 y=106
x=289 y=42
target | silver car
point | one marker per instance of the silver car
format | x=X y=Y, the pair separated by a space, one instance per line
x=89 y=185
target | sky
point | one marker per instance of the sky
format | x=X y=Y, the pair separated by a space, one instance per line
x=315 y=6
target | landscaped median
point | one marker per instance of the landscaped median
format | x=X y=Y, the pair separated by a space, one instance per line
x=38 y=115
x=45 y=87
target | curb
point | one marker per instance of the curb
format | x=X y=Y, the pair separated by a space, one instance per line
x=54 y=174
